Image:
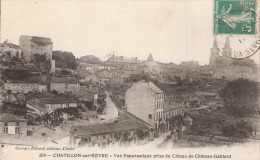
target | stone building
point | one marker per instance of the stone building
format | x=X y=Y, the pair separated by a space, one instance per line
x=104 y=135
x=171 y=112
x=124 y=64
x=11 y=124
x=151 y=66
x=31 y=45
x=62 y=85
x=87 y=98
x=146 y=101
x=11 y=49
x=41 y=106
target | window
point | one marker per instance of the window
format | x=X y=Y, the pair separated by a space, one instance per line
x=43 y=134
x=150 y=116
x=66 y=85
x=6 y=124
x=5 y=130
x=104 y=137
x=17 y=123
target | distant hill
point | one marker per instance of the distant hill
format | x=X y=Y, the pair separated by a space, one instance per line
x=64 y=59
x=89 y=59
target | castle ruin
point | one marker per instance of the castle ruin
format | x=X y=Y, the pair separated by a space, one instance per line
x=31 y=45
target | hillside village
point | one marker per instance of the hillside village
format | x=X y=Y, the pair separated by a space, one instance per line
x=51 y=96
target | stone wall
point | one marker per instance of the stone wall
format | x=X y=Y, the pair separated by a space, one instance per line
x=24 y=87
x=35 y=45
x=5 y=48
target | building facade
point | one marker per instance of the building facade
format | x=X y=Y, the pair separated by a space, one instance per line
x=11 y=124
x=104 y=135
x=62 y=85
x=171 y=112
x=38 y=107
x=146 y=101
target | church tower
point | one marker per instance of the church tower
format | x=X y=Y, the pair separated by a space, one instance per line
x=214 y=54
x=227 y=50
x=150 y=57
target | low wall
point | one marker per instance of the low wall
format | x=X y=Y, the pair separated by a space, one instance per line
x=24 y=87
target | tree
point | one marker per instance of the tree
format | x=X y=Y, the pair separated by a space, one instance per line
x=64 y=59
x=238 y=129
x=240 y=97
x=89 y=59
x=16 y=74
x=18 y=109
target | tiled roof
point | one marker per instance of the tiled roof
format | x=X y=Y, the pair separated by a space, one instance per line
x=6 y=117
x=151 y=64
x=85 y=95
x=122 y=59
x=155 y=88
x=64 y=80
x=57 y=100
x=132 y=116
x=37 y=104
x=127 y=125
x=171 y=106
x=40 y=128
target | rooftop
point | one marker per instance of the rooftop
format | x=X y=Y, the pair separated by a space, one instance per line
x=64 y=80
x=155 y=88
x=6 y=117
x=151 y=64
x=85 y=95
x=122 y=59
x=37 y=104
x=127 y=125
x=57 y=100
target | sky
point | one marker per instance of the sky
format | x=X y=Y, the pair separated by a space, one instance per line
x=172 y=30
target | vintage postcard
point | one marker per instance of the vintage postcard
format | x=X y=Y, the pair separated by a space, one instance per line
x=129 y=79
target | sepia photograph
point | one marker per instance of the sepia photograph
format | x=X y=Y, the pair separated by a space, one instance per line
x=129 y=79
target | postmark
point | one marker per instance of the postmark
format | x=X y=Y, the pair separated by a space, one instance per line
x=237 y=21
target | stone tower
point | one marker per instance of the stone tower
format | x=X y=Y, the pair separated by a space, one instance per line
x=31 y=45
x=227 y=50
x=150 y=57
x=214 y=53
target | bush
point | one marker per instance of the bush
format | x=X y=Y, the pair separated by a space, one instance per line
x=238 y=128
x=16 y=74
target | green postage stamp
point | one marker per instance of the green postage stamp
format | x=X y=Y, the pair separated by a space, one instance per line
x=235 y=17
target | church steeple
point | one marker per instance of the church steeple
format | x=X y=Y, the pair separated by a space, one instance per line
x=214 y=53
x=150 y=57
x=215 y=43
x=227 y=44
x=226 y=49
